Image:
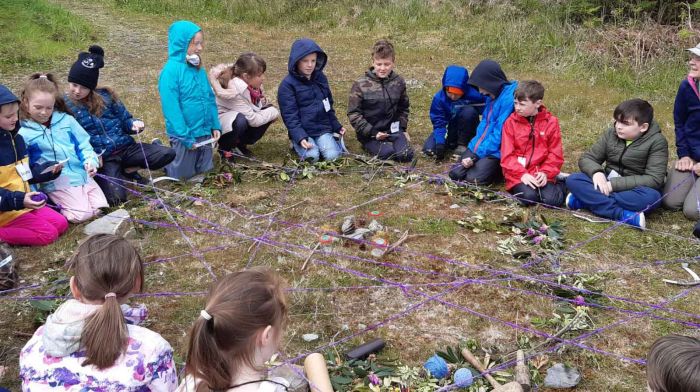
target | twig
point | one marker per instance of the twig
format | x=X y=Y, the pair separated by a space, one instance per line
x=278 y=210
x=303 y=266
x=405 y=237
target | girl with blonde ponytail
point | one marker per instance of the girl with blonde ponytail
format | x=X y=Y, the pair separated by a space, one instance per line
x=238 y=330
x=90 y=342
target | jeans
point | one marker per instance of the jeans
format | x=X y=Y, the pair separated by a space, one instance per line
x=325 y=146
x=612 y=206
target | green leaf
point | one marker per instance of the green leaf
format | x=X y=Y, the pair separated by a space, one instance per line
x=43 y=305
x=341 y=380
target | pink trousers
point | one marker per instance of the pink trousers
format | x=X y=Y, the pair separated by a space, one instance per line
x=80 y=203
x=34 y=228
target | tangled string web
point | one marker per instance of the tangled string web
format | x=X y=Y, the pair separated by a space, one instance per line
x=413 y=293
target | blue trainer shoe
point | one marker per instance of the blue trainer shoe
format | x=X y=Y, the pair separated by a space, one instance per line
x=572 y=202
x=635 y=219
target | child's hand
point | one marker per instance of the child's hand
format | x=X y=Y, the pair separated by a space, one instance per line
x=601 y=183
x=540 y=179
x=31 y=204
x=467 y=163
x=306 y=144
x=91 y=171
x=138 y=126
x=696 y=169
x=342 y=131
x=685 y=164
x=216 y=134
x=529 y=180
x=408 y=137
x=57 y=168
x=381 y=135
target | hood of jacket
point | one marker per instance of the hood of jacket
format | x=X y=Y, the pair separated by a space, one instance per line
x=56 y=117
x=180 y=34
x=489 y=76
x=302 y=48
x=371 y=75
x=64 y=327
x=456 y=76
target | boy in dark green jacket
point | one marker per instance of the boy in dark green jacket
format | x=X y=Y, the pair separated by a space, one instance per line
x=623 y=172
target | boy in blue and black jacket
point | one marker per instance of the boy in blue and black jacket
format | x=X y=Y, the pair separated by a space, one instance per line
x=481 y=162
x=454 y=113
x=306 y=104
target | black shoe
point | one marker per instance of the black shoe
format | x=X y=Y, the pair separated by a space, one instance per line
x=245 y=151
x=137 y=178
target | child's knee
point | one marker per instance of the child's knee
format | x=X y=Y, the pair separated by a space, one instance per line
x=691 y=211
x=458 y=173
x=404 y=156
x=48 y=234
x=331 y=154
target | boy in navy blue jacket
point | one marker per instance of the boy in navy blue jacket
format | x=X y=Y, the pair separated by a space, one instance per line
x=454 y=113
x=680 y=190
x=306 y=104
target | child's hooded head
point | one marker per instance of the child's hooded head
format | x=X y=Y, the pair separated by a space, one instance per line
x=306 y=58
x=9 y=106
x=489 y=78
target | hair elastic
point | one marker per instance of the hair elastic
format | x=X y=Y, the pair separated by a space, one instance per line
x=110 y=295
x=203 y=313
x=43 y=76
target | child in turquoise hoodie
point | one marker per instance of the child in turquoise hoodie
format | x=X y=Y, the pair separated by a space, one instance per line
x=188 y=103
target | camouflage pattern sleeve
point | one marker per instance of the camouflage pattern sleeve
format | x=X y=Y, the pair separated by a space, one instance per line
x=357 y=120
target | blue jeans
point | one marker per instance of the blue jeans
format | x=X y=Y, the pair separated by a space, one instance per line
x=325 y=146
x=611 y=207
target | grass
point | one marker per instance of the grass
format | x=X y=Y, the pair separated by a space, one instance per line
x=36 y=33
x=584 y=80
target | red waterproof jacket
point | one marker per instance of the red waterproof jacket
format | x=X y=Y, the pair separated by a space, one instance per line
x=531 y=146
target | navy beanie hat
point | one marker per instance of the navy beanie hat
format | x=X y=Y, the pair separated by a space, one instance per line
x=6 y=96
x=86 y=70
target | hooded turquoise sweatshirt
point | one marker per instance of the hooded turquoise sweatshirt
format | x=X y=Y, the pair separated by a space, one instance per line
x=188 y=102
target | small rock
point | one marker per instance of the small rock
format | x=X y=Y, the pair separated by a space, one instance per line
x=361 y=326
x=510 y=387
x=560 y=376
x=111 y=223
x=454 y=206
x=375 y=226
x=348 y=226
x=309 y=337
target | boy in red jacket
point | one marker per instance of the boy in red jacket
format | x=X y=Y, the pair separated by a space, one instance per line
x=531 y=151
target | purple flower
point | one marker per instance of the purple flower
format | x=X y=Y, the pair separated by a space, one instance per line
x=373 y=379
x=538 y=239
x=579 y=301
x=228 y=177
x=531 y=232
x=544 y=228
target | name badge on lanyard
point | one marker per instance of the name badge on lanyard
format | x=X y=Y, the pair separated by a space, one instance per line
x=395 y=127
x=23 y=171
x=327 y=104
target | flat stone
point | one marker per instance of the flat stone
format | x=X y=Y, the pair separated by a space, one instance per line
x=309 y=337
x=113 y=223
x=561 y=377
x=510 y=387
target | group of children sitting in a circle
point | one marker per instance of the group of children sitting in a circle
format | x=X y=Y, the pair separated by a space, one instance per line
x=63 y=139
x=498 y=127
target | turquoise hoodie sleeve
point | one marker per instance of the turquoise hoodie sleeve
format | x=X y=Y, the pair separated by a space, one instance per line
x=168 y=87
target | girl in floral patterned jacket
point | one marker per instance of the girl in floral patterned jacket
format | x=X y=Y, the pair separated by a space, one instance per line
x=86 y=344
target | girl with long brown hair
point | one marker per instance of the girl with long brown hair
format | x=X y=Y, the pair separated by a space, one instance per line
x=238 y=330
x=86 y=343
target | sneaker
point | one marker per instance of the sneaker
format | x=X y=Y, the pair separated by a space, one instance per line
x=572 y=202
x=635 y=219
x=137 y=178
x=459 y=150
x=245 y=151
x=157 y=141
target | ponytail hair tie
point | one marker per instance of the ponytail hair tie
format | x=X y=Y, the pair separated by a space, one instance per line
x=43 y=76
x=108 y=295
x=203 y=313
